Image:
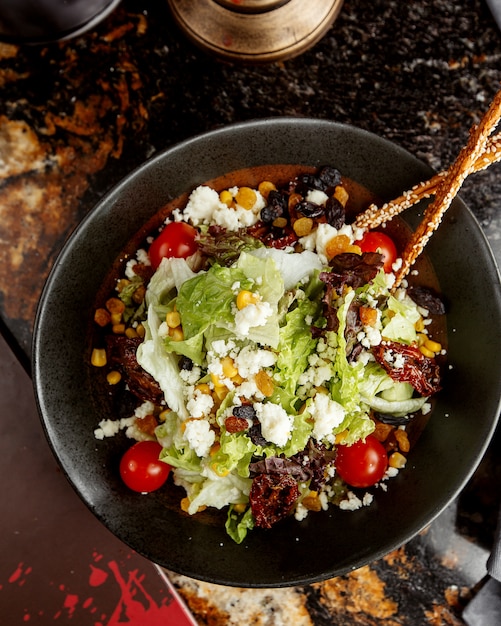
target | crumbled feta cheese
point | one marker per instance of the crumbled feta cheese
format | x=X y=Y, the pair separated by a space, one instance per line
x=142 y=257
x=144 y=409
x=250 y=360
x=191 y=376
x=327 y=415
x=199 y=435
x=301 y=512
x=201 y=206
x=251 y=316
x=129 y=269
x=317 y=197
x=200 y=404
x=351 y=502
x=276 y=423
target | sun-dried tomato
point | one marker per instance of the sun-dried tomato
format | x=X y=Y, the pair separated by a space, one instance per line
x=408 y=364
x=272 y=497
x=122 y=353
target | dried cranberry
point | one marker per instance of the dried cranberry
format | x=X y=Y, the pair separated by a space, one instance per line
x=235 y=424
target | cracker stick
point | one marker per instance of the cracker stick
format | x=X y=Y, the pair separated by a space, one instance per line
x=449 y=186
x=374 y=215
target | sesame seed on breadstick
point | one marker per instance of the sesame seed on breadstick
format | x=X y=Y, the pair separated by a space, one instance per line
x=449 y=186
x=374 y=215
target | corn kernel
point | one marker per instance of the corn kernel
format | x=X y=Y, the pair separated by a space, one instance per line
x=244 y=298
x=434 y=346
x=265 y=187
x=176 y=334
x=239 y=507
x=229 y=369
x=246 y=198
x=203 y=388
x=162 y=416
x=131 y=333
x=216 y=381
x=102 y=317
x=421 y=338
x=340 y=437
x=140 y=331
x=303 y=226
x=226 y=198
x=118 y=329
x=185 y=504
x=428 y=353
x=122 y=284
x=237 y=379
x=264 y=383
x=312 y=502
x=113 y=377
x=98 y=357
x=419 y=325
x=397 y=460
x=173 y=319
x=220 y=393
x=116 y=318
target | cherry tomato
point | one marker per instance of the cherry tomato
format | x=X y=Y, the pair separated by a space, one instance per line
x=140 y=468
x=374 y=241
x=177 y=239
x=363 y=463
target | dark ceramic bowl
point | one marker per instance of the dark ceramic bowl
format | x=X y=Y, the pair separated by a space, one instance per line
x=329 y=543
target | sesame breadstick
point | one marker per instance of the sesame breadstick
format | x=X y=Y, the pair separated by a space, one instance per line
x=374 y=215
x=449 y=186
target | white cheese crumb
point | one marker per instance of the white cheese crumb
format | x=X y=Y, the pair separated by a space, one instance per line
x=200 y=404
x=327 y=415
x=200 y=436
x=276 y=423
x=251 y=316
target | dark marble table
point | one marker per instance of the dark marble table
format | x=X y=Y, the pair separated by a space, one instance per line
x=76 y=116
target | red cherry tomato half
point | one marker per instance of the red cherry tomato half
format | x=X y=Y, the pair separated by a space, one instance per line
x=363 y=463
x=140 y=468
x=374 y=241
x=177 y=239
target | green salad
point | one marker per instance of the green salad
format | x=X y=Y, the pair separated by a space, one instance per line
x=273 y=379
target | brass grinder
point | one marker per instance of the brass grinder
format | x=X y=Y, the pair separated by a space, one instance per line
x=255 y=31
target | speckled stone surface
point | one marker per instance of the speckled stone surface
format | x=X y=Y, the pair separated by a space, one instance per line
x=75 y=117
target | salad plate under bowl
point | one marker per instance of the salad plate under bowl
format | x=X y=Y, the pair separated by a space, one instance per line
x=327 y=543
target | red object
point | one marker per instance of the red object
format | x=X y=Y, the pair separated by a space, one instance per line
x=177 y=239
x=374 y=241
x=140 y=468
x=362 y=464
x=59 y=563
